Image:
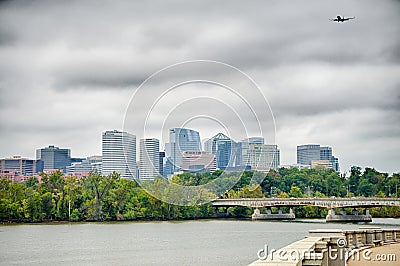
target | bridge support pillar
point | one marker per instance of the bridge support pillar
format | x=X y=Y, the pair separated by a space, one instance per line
x=354 y=217
x=268 y=215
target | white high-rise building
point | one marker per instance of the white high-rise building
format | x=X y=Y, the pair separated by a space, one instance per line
x=119 y=153
x=245 y=146
x=149 y=165
x=263 y=156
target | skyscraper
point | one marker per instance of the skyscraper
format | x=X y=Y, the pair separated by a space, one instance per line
x=227 y=152
x=263 y=156
x=245 y=145
x=314 y=152
x=307 y=153
x=180 y=140
x=161 y=162
x=119 y=153
x=149 y=164
x=54 y=158
x=325 y=153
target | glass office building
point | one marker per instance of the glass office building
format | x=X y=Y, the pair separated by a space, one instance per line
x=227 y=152
x=180 y=140
x=314 y=152
x=53 y=157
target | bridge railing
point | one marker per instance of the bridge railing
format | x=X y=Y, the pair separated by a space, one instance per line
x=319 y=202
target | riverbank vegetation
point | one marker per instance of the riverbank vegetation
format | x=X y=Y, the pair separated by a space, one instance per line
x=100 y=198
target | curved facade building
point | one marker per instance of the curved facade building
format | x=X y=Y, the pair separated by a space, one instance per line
x=181 y=140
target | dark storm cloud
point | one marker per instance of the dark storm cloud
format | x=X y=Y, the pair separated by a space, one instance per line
x=159 y=36
x=6 y=37
x=98 y=77
x=335 y=90
x=74 y=65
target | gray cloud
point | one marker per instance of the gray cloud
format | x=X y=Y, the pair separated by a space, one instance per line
x=73 y=65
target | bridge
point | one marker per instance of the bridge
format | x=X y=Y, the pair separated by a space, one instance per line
x=331 y=203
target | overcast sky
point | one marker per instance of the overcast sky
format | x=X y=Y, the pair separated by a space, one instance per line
x=69 y=68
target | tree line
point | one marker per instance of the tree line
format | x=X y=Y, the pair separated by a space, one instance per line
x=101 y=198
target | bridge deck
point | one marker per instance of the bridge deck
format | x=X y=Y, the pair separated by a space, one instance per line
x=319 y=202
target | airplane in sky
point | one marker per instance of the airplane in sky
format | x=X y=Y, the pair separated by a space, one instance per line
x=341 y=19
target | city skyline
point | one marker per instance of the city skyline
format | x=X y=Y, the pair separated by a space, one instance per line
x=329 y=83
x=116 y=145
x=203 y=140
x=323 y=152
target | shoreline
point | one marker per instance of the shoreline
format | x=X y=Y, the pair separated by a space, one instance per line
x=123 y=221
x=308 y=220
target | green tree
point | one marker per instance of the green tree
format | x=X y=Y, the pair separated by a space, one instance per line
x=365 y=188
x=295 y=192
x=99 y=187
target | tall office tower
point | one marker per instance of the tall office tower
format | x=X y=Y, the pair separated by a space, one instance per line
x=245 y=145
x=263 y=156
x=54 y=158
x=314 y=152
x=149 y=164
x=168 y=167
x=227 y=152
x=325 y=153
x=119 y=153
x=21 y=166
x=307 y=153
x=161 y=162
x=180 y=140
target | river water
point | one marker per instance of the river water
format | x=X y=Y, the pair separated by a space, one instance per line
x=201 y=242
